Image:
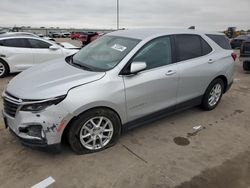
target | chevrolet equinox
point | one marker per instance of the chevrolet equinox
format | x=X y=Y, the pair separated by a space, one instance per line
x=122 y=79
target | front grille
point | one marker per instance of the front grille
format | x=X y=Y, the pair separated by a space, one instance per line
x=9 y=107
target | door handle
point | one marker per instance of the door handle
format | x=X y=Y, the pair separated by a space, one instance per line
x=2 y=55
x=210 y=61
x=170 y=72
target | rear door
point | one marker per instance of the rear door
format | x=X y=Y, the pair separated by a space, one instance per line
x=155 y=88
x=42 y=51
x=195 y=66
x=17 y=53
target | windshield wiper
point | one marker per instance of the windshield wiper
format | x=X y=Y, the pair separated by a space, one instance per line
x=80 y=65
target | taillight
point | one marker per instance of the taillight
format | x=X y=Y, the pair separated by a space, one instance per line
x=234 y=56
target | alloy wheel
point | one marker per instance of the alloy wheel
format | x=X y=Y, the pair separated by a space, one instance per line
x=96 y=133
x=2 y=69
x=215 y=95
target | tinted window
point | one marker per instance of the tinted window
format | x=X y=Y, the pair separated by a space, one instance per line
x=188 y=46
x=221 y=40
x=38 y=43
x=156 y=53
x=18 y=43
x=206 y=49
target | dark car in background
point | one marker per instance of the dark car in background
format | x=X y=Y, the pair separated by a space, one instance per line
x=237 y=42
x=88 y=37
x=245 y=54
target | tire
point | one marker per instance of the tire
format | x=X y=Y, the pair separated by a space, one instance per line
x=213 y=94
x=83 y=126
x=246 y=65
x=4 y=69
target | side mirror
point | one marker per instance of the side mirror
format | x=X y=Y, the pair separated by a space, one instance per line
x=136 y=67
x=53 y=47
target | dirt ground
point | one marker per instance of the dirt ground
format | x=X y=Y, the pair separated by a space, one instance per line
x=167 y=153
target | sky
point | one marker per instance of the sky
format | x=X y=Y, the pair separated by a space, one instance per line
x=204 y=14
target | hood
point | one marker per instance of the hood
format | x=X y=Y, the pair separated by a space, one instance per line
x=50 y=79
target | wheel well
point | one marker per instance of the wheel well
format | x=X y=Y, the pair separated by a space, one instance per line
x=65 y=131
x=224 y=79
x=6 y=64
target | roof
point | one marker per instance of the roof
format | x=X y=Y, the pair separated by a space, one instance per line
x=17 y=34
x=145 y=33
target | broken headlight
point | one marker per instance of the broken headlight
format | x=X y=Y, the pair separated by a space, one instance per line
x=41 y=105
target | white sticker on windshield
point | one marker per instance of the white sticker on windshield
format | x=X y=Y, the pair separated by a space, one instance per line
x=119 y=47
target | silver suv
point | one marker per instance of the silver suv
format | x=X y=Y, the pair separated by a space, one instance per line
x=123 y=79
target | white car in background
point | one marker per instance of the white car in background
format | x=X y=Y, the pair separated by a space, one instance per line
x=20 y=52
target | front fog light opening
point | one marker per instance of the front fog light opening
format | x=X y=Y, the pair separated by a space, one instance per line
x=33 y=131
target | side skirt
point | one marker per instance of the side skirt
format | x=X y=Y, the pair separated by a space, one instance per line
x=162 y=114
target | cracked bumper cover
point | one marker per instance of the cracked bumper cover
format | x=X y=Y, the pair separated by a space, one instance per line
x=49 y=125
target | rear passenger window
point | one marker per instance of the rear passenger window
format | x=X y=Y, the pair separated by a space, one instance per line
x=221 y=40
x=34 y=43
x=17 y=43
x=188 y=47
x=191 y=46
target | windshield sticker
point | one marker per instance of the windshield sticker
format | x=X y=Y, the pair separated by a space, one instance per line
x=119 y=47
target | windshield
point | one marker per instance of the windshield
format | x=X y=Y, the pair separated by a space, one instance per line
x=104 y=53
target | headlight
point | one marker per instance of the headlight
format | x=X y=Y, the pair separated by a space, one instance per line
x=39 y=106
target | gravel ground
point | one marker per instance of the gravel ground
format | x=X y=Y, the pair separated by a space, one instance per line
x=166 y=153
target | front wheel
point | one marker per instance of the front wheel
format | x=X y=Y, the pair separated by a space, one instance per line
x=94 y=130
x=213 y=94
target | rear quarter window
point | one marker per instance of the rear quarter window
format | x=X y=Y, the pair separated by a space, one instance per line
x=221 y=40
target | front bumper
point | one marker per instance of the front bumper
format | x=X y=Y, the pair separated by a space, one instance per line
x=41 y=129
x=38 y=144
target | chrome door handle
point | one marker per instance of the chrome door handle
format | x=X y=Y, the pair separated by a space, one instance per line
x=170 y=72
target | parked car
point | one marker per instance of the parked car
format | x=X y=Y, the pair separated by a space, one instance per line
x=88 y=37
x=18 y=53
x=55 y=35
x=75 y=35
x=122 y=79
x=237 y=42
x=245 y=55
x=64 y=34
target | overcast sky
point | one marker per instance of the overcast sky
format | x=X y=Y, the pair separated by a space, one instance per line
x=204 y=14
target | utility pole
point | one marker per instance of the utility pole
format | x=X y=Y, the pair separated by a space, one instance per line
x=118 y=12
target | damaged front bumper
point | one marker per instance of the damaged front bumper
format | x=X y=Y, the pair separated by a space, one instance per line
x=42 y=129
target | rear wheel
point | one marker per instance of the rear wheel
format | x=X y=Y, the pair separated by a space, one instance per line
x=94 y=130
x=213 y=94
x=4 y=69
x=246 y=65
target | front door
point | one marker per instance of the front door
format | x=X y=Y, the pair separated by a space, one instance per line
x=155 y=88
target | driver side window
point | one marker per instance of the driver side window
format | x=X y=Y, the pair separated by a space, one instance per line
x=156 y=53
